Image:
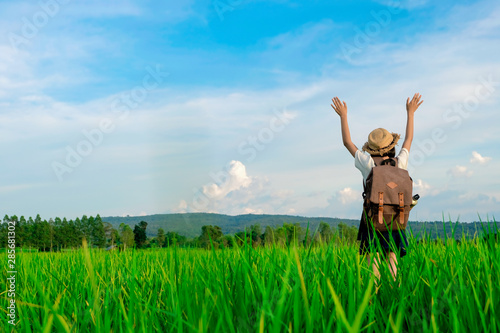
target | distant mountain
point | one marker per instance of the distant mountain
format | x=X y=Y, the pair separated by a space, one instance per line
x=190 y=224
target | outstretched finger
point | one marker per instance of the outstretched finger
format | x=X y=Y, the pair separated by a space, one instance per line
x=337 y=102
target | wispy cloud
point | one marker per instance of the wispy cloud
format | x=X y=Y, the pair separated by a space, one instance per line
x=477 y=158
x=424 y=189
x=348 y=196
x=460 y=171
x=404 y=4
x=9 y=189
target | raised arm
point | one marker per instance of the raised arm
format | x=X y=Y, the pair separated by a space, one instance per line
x=411 y=107
x=341 y=109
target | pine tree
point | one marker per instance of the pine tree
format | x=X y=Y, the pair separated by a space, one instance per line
x=81 y=231
x=98 y=232
x=85 y=228
x=51 y=233
x=75 y=235
x=3 y=234
x=44 y=232
x=30 y=229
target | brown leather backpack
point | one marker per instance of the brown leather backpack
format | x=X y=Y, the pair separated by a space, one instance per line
x=387 y=195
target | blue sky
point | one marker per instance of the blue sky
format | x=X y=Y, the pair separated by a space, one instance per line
x=134 y=108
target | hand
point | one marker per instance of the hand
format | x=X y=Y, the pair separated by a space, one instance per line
x=412 y=106
x=339 y=107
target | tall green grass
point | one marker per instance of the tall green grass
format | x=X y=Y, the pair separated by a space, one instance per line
x=444 y=287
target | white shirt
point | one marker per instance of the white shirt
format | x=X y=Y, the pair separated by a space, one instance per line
x=364 y=162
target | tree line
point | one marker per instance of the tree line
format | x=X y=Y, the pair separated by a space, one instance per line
x=57 y=234
x=285 y=235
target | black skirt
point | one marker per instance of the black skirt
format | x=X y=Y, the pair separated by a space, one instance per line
x=389 y=240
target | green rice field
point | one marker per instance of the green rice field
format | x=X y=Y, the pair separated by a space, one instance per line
x=441 y=287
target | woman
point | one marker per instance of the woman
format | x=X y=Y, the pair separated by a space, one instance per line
x=380 y=143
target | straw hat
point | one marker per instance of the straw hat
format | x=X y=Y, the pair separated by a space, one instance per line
x=380 y=141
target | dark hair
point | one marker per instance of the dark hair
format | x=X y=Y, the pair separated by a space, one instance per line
x=390 y=153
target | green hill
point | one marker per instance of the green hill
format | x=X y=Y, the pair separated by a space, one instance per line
x=190 y=224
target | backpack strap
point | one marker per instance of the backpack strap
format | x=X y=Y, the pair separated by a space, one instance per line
x=401 y=208
x=377 y=160
x=381 y=208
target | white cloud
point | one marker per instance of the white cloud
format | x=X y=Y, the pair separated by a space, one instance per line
x=462 y=205
x=249 y=210
x=460 y=171
x=235 y=192
x=18 y=187
x=235 y=179
x=181 y=207
x=477 y=158
x=348 y=196
x=345 y=203
x=424 y=189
